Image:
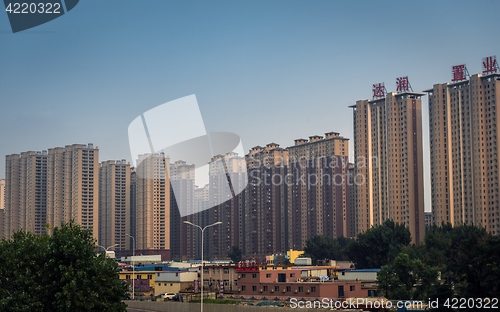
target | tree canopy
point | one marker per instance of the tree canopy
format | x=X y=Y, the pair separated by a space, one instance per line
x=58 y=272
x=454 y=262
x=324 y=248
x=378 y=246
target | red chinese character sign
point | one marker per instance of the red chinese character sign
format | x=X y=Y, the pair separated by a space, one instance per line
x=378 y=90
x=490 y=64
x=402 y=84
x=458 y=73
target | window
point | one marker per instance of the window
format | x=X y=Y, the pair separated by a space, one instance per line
x=276 y=288
x=243 y=288
x=288 y=288
x=127 y=276
x=254 y=275
x=351 y=288
x=265 y=288
x=150 y=276
x=372 y=293
x=243 y=275
x=139 y=276
x=268 y=275
x=226 y=271
x=313 y=289
x=292 y=274
x=301 y=289
x=254 y=288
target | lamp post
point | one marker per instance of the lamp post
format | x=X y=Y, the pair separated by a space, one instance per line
x=202 y=240
x=106 y=249
x=133 y=266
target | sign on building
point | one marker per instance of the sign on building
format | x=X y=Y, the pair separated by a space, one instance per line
x=490 y=64
x=458 y=73
x=402 y=84
x=378 y=90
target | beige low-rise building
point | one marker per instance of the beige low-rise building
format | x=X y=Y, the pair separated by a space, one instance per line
x=175 y=281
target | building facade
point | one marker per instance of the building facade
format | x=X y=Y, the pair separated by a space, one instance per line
x=152 y=211
x=2 y=206
x=114 y=204
x=389 y=162
x=318 y=191
x=183 y=238
x=265 y=201
x=50 y=187
x=226 y=206
x=464 y=120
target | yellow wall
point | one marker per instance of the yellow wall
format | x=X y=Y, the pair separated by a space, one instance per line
x=143 y=275
x=175 y=287
x=293 y=254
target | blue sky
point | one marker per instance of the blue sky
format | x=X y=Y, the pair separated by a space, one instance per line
x=270 y=71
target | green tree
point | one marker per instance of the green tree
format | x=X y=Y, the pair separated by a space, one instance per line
x=324 y=248
x=468 y=258
x=379 y=245
x=58 y=273
x=281 y=260
x=407 y=278
x=319 y=248
x=235 y=254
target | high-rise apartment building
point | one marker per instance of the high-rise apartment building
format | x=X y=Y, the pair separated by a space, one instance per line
x=201 y=205
x=133 y=206
x=182 y=237
x=318 y=195
x=2 y=206
x=114 y=204
x=264 y=227
x=464 y=122
x=152 y=203
x=389 y=161
x=227 y=174
x=26 y=192
x=50 y=187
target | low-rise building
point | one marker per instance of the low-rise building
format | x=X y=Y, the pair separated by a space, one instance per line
x=143 y=277
x=143 y=281
x=364 y=275
x=298 y=282
x=144 y=259
x=217 y=277
x=175 y=281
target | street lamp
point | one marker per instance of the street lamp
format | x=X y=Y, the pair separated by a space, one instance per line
x=133 y=266
x=106 y=249
x=202 y=240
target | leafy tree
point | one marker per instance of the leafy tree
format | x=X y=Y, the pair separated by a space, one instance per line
x=468 y=258
x=58 y=273
x=235 y=254
x=342 y=244
x=379 y=245
x=281 y=260
x=319 y=248
x=407 y=278
x=324 y=248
